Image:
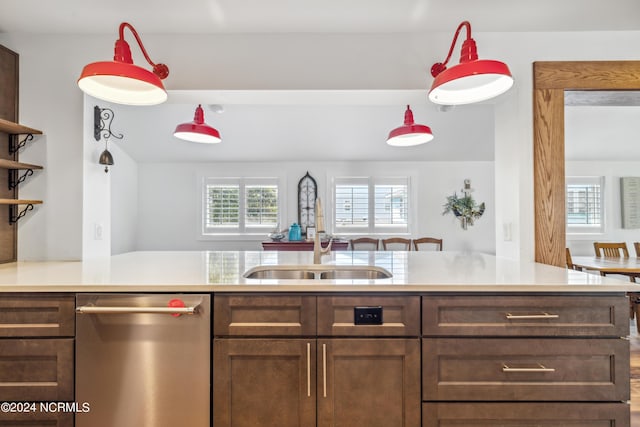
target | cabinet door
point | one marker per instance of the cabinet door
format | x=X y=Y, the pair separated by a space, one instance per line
x=39 y=417
x=36 y=369
x=369 y=382
x=264 y=382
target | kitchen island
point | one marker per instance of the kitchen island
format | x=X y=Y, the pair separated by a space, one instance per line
x=450 y=338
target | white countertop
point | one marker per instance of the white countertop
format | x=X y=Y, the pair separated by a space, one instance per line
x=221 y=271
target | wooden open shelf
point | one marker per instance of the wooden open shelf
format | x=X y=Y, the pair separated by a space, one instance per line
x=19 y=202
x=10 y=164
x=16 y=129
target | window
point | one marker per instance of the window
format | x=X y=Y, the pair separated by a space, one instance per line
x=585 y=204
x=240 y=205
x=371 y=205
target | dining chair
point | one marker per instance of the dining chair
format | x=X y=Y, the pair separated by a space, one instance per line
x=570 y=264
x=636 y=246
x=618 y=249
x=427 y=242
x=396 y=243
x=364 y=244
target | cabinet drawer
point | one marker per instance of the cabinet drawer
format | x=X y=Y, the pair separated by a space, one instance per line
x=525 y=315
x=37 y=315
x=525 y=369
x=525 y=414
x=264 y=315
x=38 y=418
x=36 y=369
x=400 y=316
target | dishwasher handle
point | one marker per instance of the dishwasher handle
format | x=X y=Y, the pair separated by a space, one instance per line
x=92 y=309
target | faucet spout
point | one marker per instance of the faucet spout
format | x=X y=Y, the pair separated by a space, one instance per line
x=319 y=251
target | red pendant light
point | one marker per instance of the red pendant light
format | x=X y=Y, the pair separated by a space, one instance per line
x=410 y=133
x=472 y=80
x=121 y=81
x=197 y=130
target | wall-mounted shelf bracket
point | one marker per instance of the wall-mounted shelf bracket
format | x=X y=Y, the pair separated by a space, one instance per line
x=14 y=215
x=15 y=180
x=14 y=146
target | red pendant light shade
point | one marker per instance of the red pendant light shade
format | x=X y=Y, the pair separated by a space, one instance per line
x=197 y=130
x=410 y=133
x=473 y=80
x=122 y=82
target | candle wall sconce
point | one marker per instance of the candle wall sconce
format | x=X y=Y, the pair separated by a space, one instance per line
x=102 y=120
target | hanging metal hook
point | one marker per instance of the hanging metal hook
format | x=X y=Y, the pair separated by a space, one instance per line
x=102 y=119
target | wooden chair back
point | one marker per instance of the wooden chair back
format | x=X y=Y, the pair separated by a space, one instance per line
x=427 y=241
x=611 y=249
x=364 y=244
x=396 y=243
x=636 y=246
x=570 y=264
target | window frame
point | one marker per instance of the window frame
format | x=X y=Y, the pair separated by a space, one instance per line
x=576 y=230
x=371 y=227
x=242 y=230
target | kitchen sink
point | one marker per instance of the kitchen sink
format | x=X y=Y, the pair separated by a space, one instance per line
x=317 y=272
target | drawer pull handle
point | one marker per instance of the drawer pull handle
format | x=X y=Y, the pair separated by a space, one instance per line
x=532 y=316
x=539 y=368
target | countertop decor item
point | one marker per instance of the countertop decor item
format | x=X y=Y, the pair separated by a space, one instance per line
x=197 y=130
x=307 y=195
x=121 y=81
x=472 y=80
x=409 y=134
x=464 y=208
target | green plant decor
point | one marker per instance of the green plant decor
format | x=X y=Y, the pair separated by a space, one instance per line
x=464 y=208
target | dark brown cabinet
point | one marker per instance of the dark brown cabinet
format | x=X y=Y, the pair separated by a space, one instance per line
x=318 y=379
x=552 y=360
x=264 y=382
x=368 y=382
x=37 y=359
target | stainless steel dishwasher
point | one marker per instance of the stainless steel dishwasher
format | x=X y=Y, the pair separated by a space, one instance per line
x=143 y=360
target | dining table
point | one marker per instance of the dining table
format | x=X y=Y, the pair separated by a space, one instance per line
x=609 y=265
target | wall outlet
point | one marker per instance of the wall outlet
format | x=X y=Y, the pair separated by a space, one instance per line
x=97 y=231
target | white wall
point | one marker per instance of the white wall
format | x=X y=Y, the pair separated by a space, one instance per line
x=50 y=100
x=124 y=200
x=169 y=217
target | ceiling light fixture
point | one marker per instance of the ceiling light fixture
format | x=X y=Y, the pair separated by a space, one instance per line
x=472 y=80
x=197 y=130
x=121 y=81
x=410 y=133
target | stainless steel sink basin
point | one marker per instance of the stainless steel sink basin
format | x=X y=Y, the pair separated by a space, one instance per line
x=317 y=272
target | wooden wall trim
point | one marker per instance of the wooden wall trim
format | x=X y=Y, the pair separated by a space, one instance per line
x=586 y=75
x=548 y=160
x=550 y=80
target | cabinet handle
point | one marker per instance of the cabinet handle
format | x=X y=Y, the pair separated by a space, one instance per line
x=308 y=369
x=532 y=316
x=90 y=309
x=324 y=370
x=539 y=368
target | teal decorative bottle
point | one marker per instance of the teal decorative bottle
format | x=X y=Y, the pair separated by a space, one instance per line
x=294 y=233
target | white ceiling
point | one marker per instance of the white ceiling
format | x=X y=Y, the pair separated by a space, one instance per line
x=316 y=16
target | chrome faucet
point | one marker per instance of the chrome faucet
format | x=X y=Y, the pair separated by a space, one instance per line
x=318 y=251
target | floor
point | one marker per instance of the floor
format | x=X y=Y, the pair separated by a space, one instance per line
x=635 y=376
